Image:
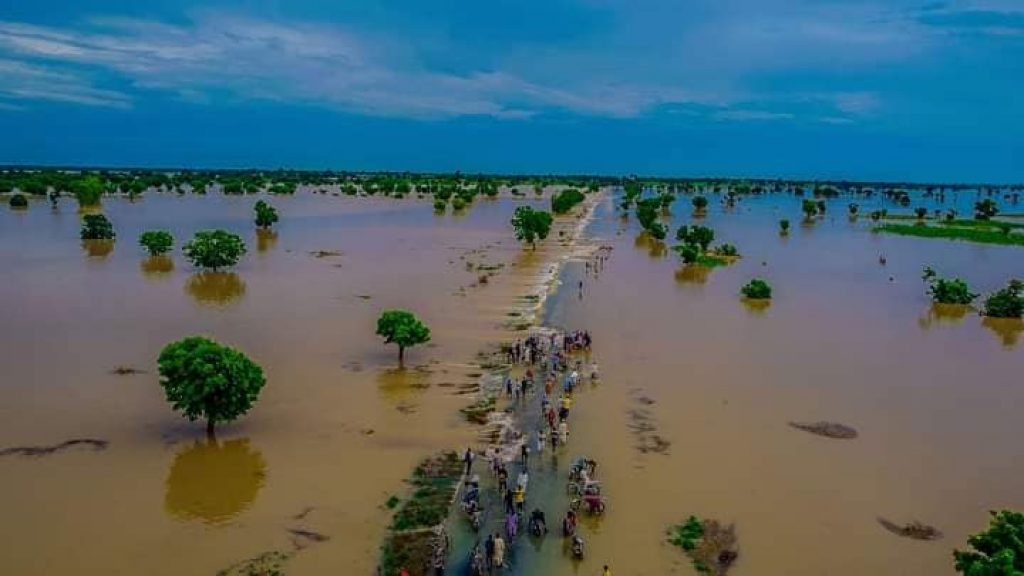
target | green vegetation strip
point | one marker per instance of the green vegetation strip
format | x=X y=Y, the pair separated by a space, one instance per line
x=709 y=545
x=974 y=233
x=413 y=535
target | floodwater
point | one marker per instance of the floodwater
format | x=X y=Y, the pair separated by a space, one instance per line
x=933 y=396
x=337 y=428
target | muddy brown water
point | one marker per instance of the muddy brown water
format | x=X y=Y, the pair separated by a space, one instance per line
x=337 y=429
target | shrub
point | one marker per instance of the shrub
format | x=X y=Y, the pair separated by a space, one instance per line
x=921 y=212
x=784 y=226
x=458 y=203
x=700 y=203
x=156 y=242
x=1007 y=302
x=266 y=215
x=440 y=205
x=18 y=201
x=810 y=208
x=97 y=227
x=700 y=235
x=565 y=200
x=214 y=249
x=947 y=291
x=757 y=289
x=727 y=250
x=985 y=209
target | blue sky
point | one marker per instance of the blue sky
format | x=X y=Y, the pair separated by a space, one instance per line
x=894 y=89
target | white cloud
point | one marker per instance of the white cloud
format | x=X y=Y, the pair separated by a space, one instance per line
x=24 y=81
x=740 y=115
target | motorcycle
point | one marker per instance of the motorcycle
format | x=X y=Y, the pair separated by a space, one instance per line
x=595 y=503
x=577 y=547
x=538 y=526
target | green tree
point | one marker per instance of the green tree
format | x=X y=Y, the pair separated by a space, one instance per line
x=985 y=209
x=403 y=328
x=565 y=200
x=440 y=205
x=203 y=379
x=757 y=289
x=18 y=201
x=921 y=212
x=157 y=242
x=530 y=224
x=214 y=249
x=810 y=208
x=947 y=291
x=690 y=253
x=853 y=209
x=88 y=191
x=699 y=235
x=1007 y=302
x=657 y=230
x=784 y=227
x=97 y=227
x=998 y=551
x=266 y=215
x=700 y=204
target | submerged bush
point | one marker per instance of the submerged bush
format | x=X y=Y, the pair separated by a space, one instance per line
x=946 y=290
x=214 y=249
x=1007 y=302
x=757 y=289
x=156 y=242
x=97 y=227
x=726 y=250
x=565 y=200
x=266 y=214
x=783 y=226
x=18 y=201
x=985 y=209
x=700 y=203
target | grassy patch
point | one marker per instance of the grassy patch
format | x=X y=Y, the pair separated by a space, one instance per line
x=434 y=482
x=950 y=231
x=990 y=224
x=710 y=546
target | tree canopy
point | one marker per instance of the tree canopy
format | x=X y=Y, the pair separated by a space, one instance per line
x=998 y=551
x=757 y=289
x=204 y=379
x=1007 y=302
x=947 y=290
x=403 y=328
x=156 y=242
x=97 y=227
x=266 y=215
x=531 y=225
x=565 y=200
x=214 y=249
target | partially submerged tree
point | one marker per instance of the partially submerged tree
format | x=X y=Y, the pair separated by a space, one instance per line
x=156 y=242
x=18 y=201
x=701 y=236
x=214 y=249
x=946 y=290
x=784 y=227
x=97 y=227
x=985 y=209
x=757 y=289
x=203 y=379
x=88 y=191
x=921 y=212
x=998 y=551
x=1007 y=302
x=266 y=215
x=700 y=204
x=531 y=225
x=565 y=200
x=810 y=209
x=403 y=328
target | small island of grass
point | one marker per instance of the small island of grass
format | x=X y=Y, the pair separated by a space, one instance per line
x=979 y=231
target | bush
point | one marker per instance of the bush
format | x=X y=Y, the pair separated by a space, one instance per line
x=97 y=227
x=810 y=208
x=157 y=242
x=18 y=201
x=784 y=226
x=657 y=230
x=458 y=203
x=700 y=203
x=757 y=289
x=440 y=205
x=214 y=249
x=727 y=250
x=266 y=215
x=947 y=291
x=1007 y=302
x=700 y=235
x=998 y=551
x=921 y=212
x=565 y=200
x=985 y=209
x=88 y=191
x=203 y=379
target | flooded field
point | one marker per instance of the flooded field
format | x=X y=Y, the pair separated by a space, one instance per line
x=691 y=415
x=337 y=428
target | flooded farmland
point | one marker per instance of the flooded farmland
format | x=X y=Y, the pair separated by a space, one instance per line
x=691 y=414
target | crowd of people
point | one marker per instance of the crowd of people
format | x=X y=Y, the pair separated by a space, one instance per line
x=555 y=381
